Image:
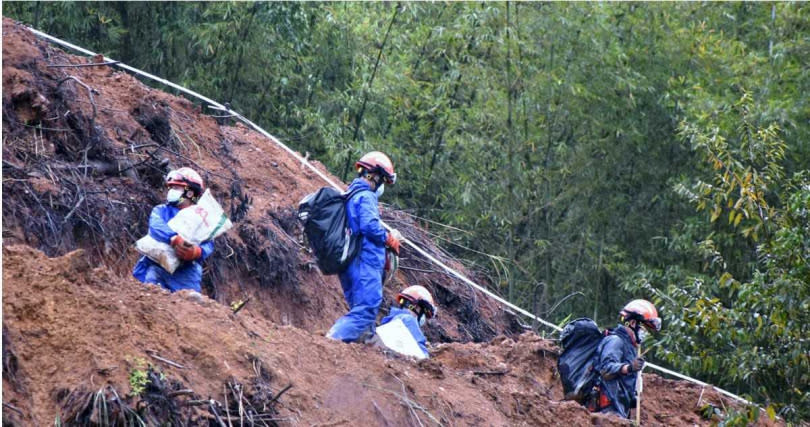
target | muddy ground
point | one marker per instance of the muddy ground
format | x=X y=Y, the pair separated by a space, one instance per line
x=84 y=153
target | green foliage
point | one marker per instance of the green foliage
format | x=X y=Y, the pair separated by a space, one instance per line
x=138 y=376
x=589 y=152
x=747 y=332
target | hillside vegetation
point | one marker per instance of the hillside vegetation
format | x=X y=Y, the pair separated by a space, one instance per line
x=86 y=344
x=577 y=154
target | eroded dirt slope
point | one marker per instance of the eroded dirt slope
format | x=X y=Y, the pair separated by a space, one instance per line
x=84 y=153
x=74 y=327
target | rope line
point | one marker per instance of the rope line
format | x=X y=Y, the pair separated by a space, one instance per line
x=323 y=176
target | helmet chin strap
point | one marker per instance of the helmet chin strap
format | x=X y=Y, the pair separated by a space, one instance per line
x=372 y=178
x=637 y=332
x=636 y=329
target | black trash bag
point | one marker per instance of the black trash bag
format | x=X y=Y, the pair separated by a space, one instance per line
x=580 y=339
x=326 y=226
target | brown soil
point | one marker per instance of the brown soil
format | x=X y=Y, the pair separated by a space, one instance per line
x=80 y=175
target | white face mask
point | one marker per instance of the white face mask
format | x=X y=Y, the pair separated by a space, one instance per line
x=642 y=335
x=174 y=195
x=380 y=190
x=422 y=320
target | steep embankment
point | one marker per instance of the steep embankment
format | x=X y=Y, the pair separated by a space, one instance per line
x=84 y=153
x=73 y=329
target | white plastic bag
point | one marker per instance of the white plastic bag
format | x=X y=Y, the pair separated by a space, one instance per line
x=195 y=224
x=159 y=252
x=202 y=221
x=396 y=336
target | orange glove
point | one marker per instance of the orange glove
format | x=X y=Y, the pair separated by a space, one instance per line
x=392 y=242
x=185 y=251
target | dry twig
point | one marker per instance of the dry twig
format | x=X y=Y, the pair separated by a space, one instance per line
x=95 y=64
x=13 y=408
x=89 y=93
x=380 y=412
x=278 y=395
x=406 y=401
x=504 y=372
x=154 y=355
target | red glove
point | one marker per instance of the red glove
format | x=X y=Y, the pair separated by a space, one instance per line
x=392 y=242
x=185 y=251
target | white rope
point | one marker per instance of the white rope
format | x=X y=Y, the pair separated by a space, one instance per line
x=305 y=162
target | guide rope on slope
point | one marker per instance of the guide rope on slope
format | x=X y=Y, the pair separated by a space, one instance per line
x=217 y=106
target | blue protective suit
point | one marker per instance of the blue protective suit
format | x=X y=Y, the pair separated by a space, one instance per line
x=189 y=274
x=362 y=279
x=615 y=350
x=410 y=321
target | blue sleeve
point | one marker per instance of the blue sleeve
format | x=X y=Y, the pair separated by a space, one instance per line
x=158 y=224
x=610 y=359
x=369 y=219
x=207 y=248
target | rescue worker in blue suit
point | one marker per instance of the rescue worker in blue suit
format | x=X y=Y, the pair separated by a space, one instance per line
x=414 y=306
x=185 y=186
x=362 y=279
x=618 y=362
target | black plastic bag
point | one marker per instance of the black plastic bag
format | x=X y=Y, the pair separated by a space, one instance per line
x=580 y=339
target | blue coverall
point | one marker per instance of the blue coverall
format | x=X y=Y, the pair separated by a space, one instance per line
x=362 y=279
x=615 y=350
x=189 y=274
x=410 y=321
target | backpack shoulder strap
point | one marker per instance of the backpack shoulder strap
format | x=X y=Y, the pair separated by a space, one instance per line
x=349 y=194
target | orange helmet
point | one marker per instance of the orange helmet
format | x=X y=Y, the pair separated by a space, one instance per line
x=642 y=311
x=377 y=162
x=419 y=296
x=187 y=177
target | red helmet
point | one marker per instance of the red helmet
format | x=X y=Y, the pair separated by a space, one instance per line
x=420 y=296
x=642 y=311
x=377 y=162
x=187 y=177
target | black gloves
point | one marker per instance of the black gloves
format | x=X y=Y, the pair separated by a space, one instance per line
x=636 y=365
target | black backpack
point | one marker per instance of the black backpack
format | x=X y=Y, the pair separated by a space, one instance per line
x=326 y=226
x=580 y=338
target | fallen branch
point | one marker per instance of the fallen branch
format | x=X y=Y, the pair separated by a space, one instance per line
x=154 y=355
x=196 y=165
x=70 y=214
x=379 y=411
x=423 y=270
x=89 y=93
x=506 y=371
x=284 y=390
x=227 y=406
x=13 y=408
x=408 y=402
x=700 y=398
x=184 y=392
x=95 y=64
x=214 y=411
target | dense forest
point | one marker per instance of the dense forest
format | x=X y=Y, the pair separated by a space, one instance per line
x=576 y=154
